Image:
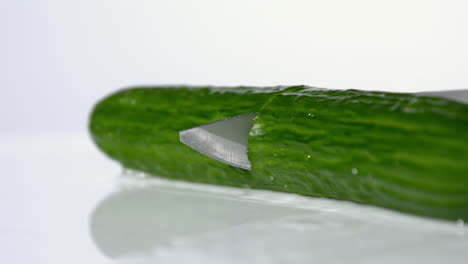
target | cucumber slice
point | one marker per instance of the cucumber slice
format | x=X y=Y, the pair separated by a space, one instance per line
x=399 y=151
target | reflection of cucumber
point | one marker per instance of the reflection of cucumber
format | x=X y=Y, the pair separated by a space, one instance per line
x=398 y=151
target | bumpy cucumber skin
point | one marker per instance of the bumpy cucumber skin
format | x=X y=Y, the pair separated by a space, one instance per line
x=139 y=127
x=392 y=150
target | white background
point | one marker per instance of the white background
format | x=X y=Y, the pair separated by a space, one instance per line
x=57 y=58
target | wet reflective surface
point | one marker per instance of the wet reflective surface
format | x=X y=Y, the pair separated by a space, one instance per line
x=63 y=202
x=171 y=222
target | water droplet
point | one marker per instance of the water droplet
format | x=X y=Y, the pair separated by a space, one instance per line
x=354 y=171
x=308 y=156
x=311 y=115
x=140 y=175
x=256 y=131
x=126 y=171
x=460 y=222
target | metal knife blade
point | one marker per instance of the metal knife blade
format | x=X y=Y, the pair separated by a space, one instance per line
x=225 y=140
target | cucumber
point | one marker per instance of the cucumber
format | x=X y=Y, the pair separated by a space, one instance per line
x=399 y=151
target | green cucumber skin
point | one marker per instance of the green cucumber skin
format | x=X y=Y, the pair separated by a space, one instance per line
x=139 y=127
x=392 y=150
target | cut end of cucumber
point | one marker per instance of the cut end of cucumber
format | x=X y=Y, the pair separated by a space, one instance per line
x=225 y=140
